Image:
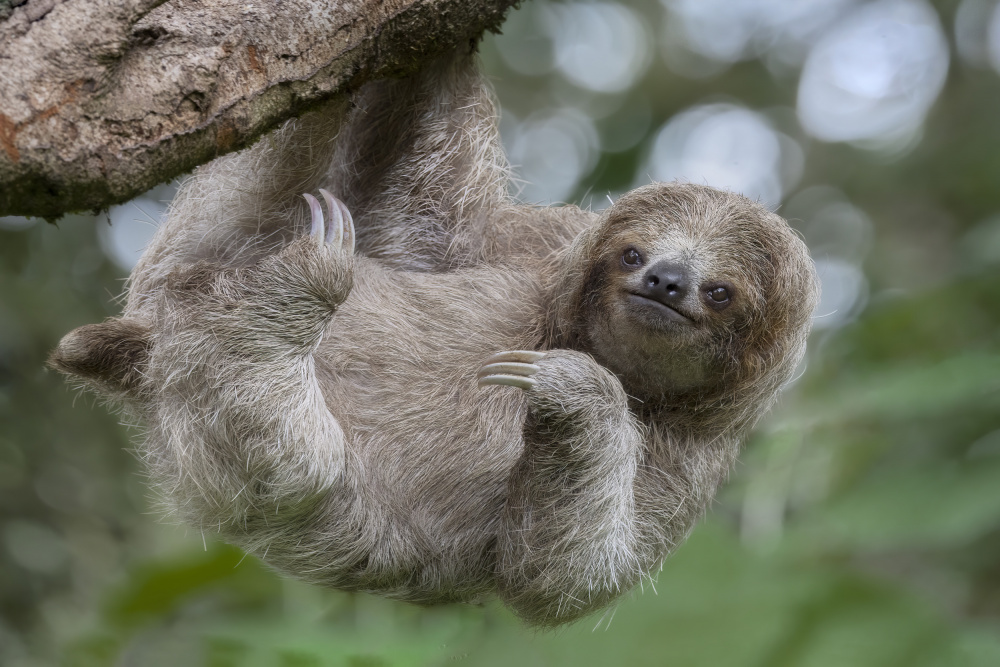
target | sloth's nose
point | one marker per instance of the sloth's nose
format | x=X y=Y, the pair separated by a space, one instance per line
x=666 y=282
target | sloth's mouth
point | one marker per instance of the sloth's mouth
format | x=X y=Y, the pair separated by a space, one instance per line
x=662 y=309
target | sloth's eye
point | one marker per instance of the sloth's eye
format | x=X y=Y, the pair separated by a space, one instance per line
x=631 y=257
x=717 y=297
x=719 y=294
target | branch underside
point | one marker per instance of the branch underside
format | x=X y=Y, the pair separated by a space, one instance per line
x=101 y=100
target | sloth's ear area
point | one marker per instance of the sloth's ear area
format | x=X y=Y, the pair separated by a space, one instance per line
x=111 y=355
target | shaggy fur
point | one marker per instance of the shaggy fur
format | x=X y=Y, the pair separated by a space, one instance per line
x=321 y=410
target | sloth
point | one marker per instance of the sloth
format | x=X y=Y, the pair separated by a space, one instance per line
x=411 y=385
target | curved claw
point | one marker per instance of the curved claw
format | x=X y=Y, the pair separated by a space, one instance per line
x=345 y=222
x=316 y=229
x=513 y=368
x=508 y=368
x=507 y=380
x=335 y=229
x=523 y=356
x=349 y=235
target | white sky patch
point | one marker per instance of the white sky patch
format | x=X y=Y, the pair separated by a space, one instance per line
x=133 y=225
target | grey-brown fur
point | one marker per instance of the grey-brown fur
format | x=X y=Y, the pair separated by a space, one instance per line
x=321 y=410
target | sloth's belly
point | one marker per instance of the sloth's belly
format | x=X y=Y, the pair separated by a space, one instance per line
x=432 y=470
x=429 y=450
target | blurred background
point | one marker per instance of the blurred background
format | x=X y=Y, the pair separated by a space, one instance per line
x=862 y=526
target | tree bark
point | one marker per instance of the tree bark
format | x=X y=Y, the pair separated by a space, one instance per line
x=100 y=100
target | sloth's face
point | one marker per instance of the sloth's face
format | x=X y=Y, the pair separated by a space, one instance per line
x=678 y=293
x=673 y=288
x=666 y=304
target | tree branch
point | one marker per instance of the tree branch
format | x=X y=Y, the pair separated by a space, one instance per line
x=100 y=100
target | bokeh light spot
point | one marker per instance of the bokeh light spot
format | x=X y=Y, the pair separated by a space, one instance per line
x=726 y=31
x=598 y=46
x=993 y=38
x=875 y=76
x=551 y=153
x=830 y=224
x=980 y=246
x=844 y=292
x=722 y=145
x=15 y=222
x=526 y=43
x=972 y=26
x=35 y=547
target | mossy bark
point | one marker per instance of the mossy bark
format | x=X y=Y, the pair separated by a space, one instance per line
x=102 y=99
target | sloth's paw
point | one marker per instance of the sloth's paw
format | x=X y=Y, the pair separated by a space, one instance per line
x=558 y=383
x=288 y=297
x=294 y=292
x=338 y=232
x=318 y=267
x=513 y=369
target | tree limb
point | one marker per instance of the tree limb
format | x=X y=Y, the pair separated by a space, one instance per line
x=100 y=100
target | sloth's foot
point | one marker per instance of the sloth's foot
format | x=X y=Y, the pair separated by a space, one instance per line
x=314 y=273
x=318 y=266
x=285 y=300
x=513 y=369
x=290 y=296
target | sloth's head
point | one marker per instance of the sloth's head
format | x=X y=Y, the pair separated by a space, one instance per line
x=693 y=293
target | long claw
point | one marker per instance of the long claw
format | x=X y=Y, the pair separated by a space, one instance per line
x=335 y=230
x=317 y=227
x=507 y=380
x=512 y=368
x=508 y=368
x=522 y=356
x=349 y=235
x=340 y=212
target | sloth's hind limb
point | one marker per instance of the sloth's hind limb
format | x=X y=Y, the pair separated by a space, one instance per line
x=242 y=206
x=241 y=439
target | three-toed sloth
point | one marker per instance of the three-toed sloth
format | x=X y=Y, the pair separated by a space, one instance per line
x=328 y=402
